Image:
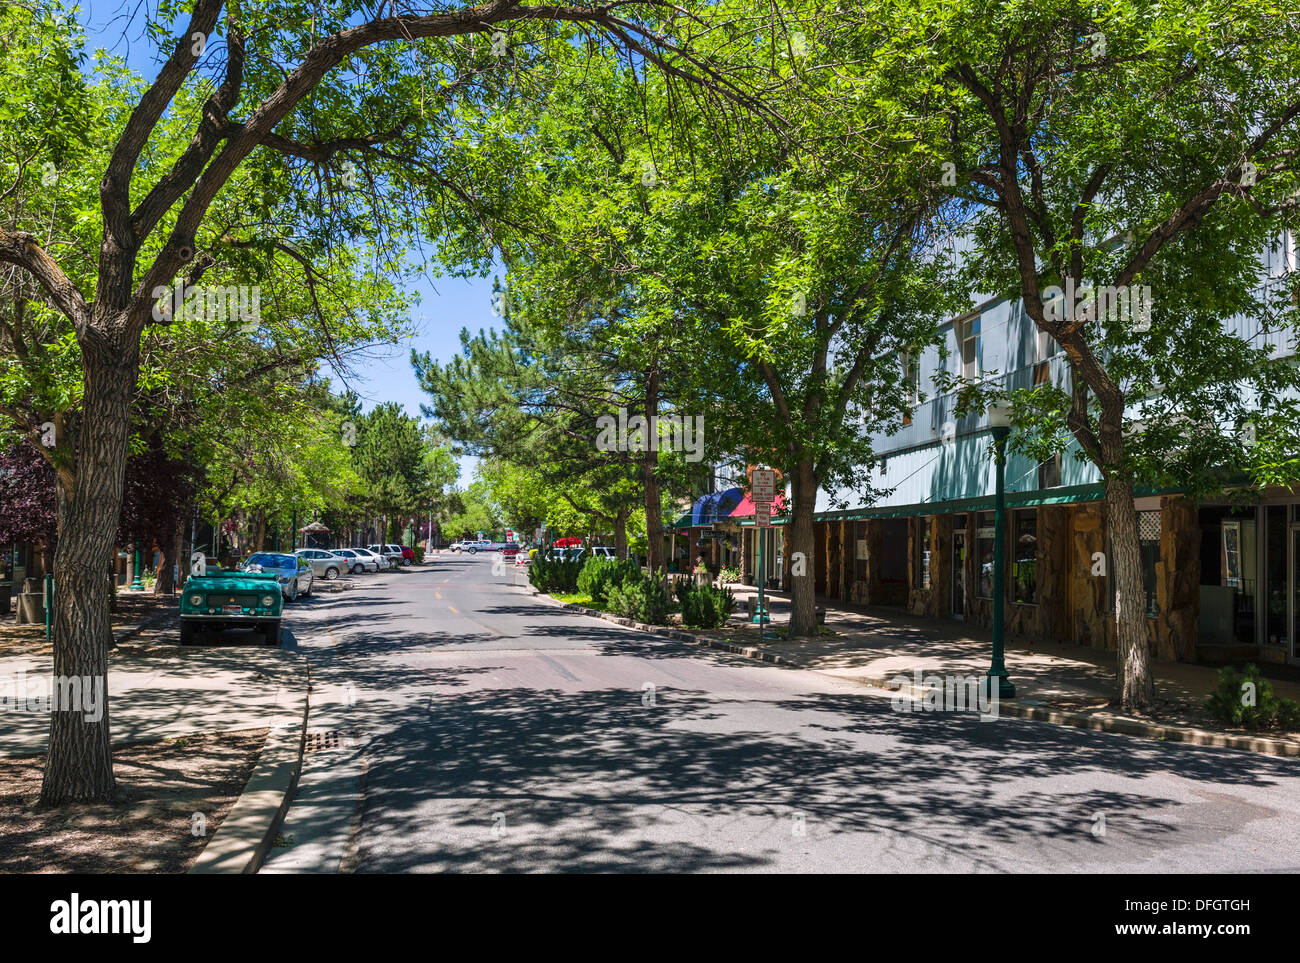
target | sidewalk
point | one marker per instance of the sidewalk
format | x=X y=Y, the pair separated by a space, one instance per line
x=872 y=645
x=157 y=688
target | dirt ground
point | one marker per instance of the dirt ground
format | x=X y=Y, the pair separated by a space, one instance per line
x=132 y=609
x=150 y=829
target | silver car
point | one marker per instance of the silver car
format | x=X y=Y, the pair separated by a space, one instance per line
x=325 y=564
x=380 y=561
x=295 y=574
x=358 y=563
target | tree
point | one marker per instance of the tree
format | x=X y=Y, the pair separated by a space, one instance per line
x=1107 y=151
x=163 y=158
x=766 y=282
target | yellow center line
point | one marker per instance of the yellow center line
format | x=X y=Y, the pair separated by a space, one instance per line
x=437 y=594
x=453 y=608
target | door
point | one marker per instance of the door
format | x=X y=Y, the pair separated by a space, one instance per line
x=1294 y=653
x=959 y=575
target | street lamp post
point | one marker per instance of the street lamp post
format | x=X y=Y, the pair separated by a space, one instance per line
x=1000 y=422
x=136 y=584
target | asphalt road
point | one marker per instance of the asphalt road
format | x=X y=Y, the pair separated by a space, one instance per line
x=473 y=727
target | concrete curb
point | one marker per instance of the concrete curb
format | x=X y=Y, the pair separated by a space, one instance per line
x=248 y=831
x=1097 y=722
x=677 y=635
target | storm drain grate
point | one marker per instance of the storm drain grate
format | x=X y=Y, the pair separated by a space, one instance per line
x=324 y=741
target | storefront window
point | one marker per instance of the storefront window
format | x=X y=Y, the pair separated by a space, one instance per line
x=1024 y=570
x=984 y=553
x=1275 y=574
x=1149 y=547
x=923 y=553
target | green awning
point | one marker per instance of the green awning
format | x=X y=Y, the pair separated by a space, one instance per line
x=981 y=503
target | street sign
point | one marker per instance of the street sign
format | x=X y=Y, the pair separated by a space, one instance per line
x=713 y=533
x=764 y=485
x=763 y=514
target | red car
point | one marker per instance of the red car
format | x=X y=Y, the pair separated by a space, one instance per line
x=510 y=548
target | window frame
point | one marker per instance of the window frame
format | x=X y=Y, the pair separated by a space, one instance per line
x=1017 y=517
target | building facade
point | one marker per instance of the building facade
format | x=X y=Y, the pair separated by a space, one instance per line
x=1222 y=579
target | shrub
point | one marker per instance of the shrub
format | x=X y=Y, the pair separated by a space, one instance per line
x=643 y=598
x=419 y=554
x=554 y=575
x=1231 y=704
x=599 y=576
x=704 y=606
x=729 y=573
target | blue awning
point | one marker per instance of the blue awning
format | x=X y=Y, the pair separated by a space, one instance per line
x=715 y=507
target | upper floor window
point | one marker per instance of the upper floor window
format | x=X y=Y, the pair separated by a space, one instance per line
x=911 y=386
x=1045 y=346
x=1049 y=472
x=967 y=333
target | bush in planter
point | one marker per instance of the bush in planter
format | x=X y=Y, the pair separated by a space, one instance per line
x=729 y=573
x=703 y=606
x=554 y=575
x=1229 y=703
x=641 y=597
x=599 y=576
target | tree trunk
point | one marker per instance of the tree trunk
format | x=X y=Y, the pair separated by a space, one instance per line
x=803 y=578
x=654 y=516
x=1134 y=687
x=259 y=533
x=79 y=764
x=164 y=584
x=620 y=534
x=654 y=522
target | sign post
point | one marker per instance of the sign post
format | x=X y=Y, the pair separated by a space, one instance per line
x=763 y=482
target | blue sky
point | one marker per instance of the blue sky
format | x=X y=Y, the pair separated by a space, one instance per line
x=446 y=304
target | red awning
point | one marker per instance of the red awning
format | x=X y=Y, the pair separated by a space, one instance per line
x=746 y=506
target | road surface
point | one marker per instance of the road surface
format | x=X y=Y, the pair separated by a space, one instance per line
x=469 y=726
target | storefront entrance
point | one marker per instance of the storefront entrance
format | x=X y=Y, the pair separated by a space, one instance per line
x=959 y=574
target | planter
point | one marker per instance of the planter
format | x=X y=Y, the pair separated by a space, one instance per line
x=31 y=608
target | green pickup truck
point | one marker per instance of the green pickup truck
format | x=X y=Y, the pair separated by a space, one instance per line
x=227 y=599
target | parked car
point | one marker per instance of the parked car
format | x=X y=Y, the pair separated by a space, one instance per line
x=294 y=573
x=325 y=564
x=224 y=599
x=360 y=564
x=603 y=551
x=397 y=554
x=510 y=549
x=483 y=545
x=381 y=561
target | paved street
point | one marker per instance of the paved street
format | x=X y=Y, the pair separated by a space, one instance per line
x=482 y=728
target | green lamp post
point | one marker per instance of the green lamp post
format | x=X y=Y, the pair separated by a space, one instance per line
x=1000 y=422
x=136 y=584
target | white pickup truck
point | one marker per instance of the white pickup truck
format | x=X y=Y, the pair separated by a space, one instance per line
x=474 y=546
